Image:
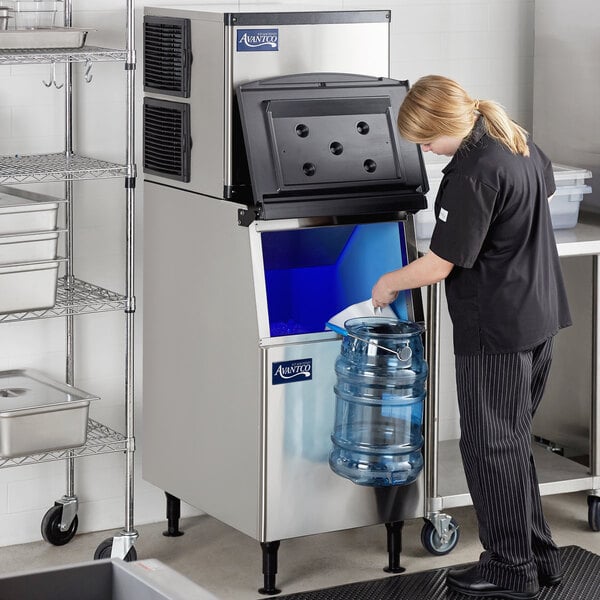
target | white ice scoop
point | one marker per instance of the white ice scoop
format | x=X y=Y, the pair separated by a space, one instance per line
x=366 y=309
x=360 y=309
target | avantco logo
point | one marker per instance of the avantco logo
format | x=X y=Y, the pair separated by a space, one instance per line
x=257 y=40
x=292 y=370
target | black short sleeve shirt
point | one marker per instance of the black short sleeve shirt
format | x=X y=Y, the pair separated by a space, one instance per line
x=506 y=291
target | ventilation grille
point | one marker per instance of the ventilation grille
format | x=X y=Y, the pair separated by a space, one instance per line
x=167 y=141
x=167 y=56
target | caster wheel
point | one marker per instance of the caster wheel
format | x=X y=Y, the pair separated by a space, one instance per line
x=594 y=512
x=51 y=527
x=104 y=550
x=431 y=540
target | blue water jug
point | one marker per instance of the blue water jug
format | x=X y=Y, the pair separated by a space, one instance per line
x=380 y=391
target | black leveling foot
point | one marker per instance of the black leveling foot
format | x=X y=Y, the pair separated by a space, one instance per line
x=394 y=546
x=173 y=514
x=269 y=553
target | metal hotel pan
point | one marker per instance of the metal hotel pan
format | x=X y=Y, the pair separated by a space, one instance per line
x=20 y=213
x=38 y=414
x=28 y=286
x=28 y=247
x=47 y=38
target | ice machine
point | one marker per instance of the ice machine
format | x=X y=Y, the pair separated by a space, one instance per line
x=276 y=192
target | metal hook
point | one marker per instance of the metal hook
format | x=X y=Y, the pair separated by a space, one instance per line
x=54 y=77
x=52 y=81
x=52 y=73
x=88 y=67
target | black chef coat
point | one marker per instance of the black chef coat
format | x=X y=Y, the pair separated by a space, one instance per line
x=506 y=292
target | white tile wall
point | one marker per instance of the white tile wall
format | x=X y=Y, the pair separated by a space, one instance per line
x=486 y=44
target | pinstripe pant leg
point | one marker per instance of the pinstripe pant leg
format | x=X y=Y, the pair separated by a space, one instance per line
x=545 y=551
x=494 y=395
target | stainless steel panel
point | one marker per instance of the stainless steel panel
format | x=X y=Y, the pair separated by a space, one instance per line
x=360 y=48
x=571 y=377
x=202 y=394
x=302 y=494
x=207 y=102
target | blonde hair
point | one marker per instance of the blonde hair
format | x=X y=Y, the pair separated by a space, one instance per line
x=436 y=106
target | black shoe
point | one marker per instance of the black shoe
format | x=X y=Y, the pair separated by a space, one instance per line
x=470 y=583
x=550 y=579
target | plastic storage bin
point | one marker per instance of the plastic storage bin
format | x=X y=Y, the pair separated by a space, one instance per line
x=36 y=14
x=564 y=206
x=570 y=189
x=38 y=414
x=103 y=580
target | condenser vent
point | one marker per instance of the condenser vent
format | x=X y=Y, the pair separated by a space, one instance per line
x=167 y=56
x=167 y=141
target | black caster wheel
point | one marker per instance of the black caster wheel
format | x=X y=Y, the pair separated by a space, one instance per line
x=51 y=527
x=104 y=550
x=431 y=540
x=594 y=513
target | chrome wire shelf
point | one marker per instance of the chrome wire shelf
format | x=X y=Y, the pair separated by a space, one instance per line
x=35 y=168
x=73 y=298
x=100 y=440
x=56 y=55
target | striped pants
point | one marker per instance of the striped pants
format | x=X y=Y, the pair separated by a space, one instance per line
x=498 y=395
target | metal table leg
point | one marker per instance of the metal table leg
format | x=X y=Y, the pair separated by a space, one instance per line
x=440 y=532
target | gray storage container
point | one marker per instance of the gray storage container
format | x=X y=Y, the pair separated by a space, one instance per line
x=38 y=414
x=570 y=189
x=103 y=580
x=28 y=287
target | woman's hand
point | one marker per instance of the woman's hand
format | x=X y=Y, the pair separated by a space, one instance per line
x=426 y=270
x=382 y=294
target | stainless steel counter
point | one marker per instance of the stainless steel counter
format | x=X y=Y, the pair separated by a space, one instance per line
x=583 y=240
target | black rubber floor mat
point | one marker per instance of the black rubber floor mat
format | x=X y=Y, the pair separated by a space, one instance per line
x=580 y=582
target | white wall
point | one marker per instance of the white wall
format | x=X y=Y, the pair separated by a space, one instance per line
x=486 y=44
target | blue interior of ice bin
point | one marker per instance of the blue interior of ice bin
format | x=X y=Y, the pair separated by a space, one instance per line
x=312 y=274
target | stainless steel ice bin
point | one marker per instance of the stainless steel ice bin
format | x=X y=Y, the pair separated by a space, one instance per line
x=38 y=414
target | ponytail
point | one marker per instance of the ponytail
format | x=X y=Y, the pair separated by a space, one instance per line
x=436 y=106
x=502 y=128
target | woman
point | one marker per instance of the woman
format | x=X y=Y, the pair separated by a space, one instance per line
x=493 y=244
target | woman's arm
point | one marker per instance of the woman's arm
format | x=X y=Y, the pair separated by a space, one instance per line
x=426 y=270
